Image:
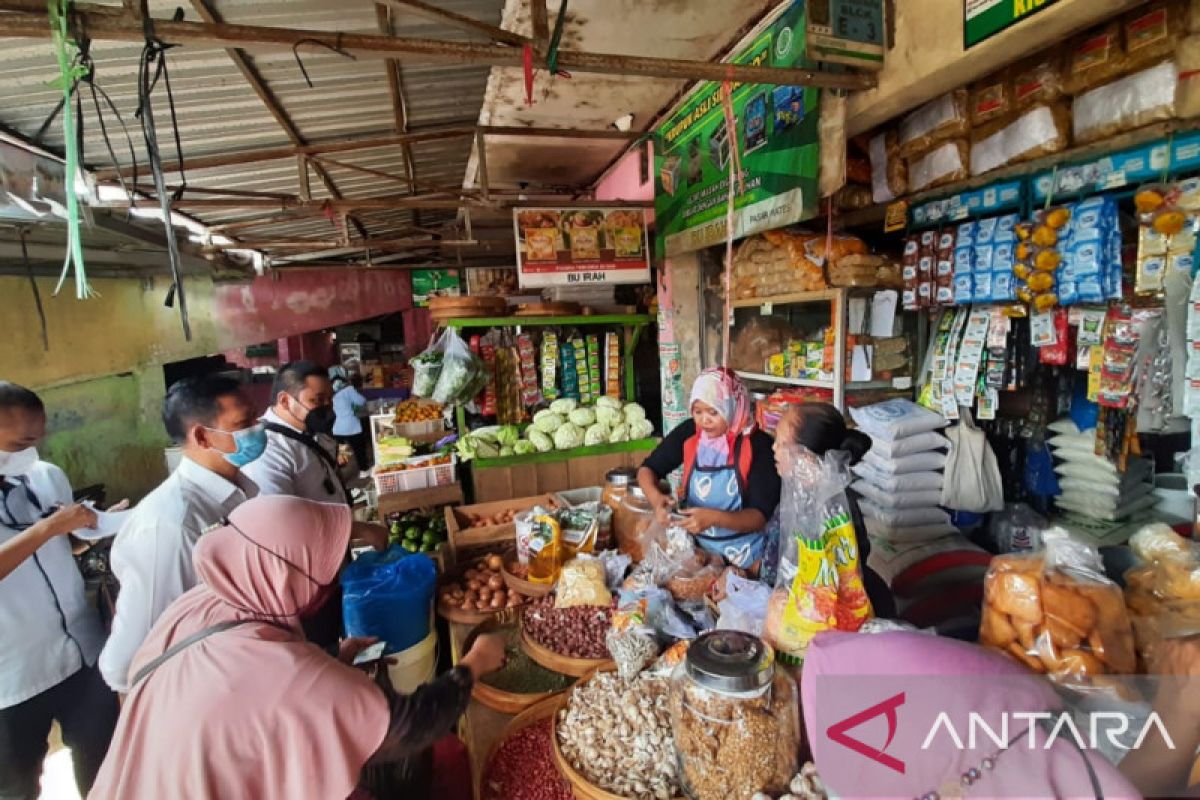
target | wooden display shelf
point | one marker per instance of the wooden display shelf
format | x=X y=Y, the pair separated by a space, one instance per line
x=758 y=377
x=395 y=502
x=542 y=322
x=798 y=298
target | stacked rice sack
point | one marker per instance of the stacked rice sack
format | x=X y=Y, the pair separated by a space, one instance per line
x=1092 y=486
x=900 y=479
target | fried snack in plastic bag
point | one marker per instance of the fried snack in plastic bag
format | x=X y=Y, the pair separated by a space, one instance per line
x=582 y=583
x=630 y=639
x=942 y=118
x=819 y=584
x=1162 y=594
x=1057 y=613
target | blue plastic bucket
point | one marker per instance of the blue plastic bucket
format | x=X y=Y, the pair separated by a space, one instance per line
x=390 y=596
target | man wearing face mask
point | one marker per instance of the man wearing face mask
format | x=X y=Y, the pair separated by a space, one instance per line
x=214 y=423
x=51 y=635
x=301 y=455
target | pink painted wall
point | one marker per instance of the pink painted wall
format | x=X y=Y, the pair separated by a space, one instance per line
x=623 y=182
x=301 y=301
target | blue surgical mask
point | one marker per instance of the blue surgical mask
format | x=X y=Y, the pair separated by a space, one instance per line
x=250 y=442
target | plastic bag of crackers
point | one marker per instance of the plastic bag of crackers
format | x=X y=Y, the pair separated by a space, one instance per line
x=1163 y=592
x=1057 y=613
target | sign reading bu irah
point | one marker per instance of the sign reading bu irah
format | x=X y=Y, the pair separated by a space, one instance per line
x=572 y=246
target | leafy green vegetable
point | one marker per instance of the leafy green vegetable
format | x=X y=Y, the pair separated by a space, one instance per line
x=607 y=402
x=568 y=436
x=547 y=421
x=633 y=412
x=596 y=434
x=606 y=415
x=564 y=406
x=507 y=451
x=508 y=435
x=525 y=447
x=540 y=440
x=620 y=433
x=583 y=417
x=640 y=429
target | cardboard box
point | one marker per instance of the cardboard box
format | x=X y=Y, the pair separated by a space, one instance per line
x=466 y=541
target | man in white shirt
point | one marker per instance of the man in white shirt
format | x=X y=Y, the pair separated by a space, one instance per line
x=51 y=635
x=301 y=455
x=214 y=422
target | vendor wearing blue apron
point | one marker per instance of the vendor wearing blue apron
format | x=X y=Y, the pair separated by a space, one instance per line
x=730 y=487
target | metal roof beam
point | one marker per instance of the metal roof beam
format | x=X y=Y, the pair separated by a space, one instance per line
x=459 y=21
x=349 y=144
x=402 y=202
x=102 y=26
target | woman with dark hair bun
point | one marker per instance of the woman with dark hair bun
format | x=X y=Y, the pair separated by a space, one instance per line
x=821 y=428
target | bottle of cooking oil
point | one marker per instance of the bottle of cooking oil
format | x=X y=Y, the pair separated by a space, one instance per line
x=545 y=550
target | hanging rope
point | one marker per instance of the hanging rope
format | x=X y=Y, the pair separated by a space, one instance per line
x=37 y=294
x=69 y=74
x=151 y=67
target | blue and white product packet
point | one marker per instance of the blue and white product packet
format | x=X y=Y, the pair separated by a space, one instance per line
x=964 y=260
x=1006 y=229
x=964 y=289
x=1089 y=259
x=1089 y=220
x=1113 y=276
x=1003 y=287
x=1003 y=257
x=1091 y=290
x=981 y=292
x=985 y=231
x=984 y=254
x=965 y=235
x=1068 y=294
x=1182 y=262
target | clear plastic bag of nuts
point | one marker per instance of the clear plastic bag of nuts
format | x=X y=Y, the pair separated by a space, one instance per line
x=734 y=717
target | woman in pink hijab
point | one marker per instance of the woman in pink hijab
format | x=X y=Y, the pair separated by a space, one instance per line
x=892 y=714
x=730 y=488
x=229 y=700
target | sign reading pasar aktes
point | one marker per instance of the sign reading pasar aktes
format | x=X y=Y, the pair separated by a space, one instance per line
x=573 y=246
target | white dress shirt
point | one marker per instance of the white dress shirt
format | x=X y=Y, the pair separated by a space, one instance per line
x=48 y=629
x=291 y=468
x=152 y=555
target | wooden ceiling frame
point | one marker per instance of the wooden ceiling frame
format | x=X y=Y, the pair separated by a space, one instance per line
x=258 y=84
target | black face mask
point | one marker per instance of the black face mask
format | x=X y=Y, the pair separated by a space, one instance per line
x=319 y=420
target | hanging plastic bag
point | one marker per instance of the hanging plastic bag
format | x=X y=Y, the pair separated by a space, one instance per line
x=427 y=367
x=972 y=474
x=1057 y=613
x=819 y=585
x=389 y=596
x=744 y=606
x=463 y=374
x=1040 y=478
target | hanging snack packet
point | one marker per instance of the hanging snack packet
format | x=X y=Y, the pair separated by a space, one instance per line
x=612 y=365
x=549 y=366
x=910 y=272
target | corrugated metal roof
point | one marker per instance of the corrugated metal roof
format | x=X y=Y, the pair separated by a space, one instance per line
x=219 y=113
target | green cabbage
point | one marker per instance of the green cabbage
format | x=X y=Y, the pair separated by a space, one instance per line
x=583 y=417
x=620 y=433
x=564 y=406
x=547 y=421
x=607 y=402
x=640 y=429
x=507 y=451
x=508 y=435
x=465 y=448
x=606 y=415
x=540 y=440
x=633 y=412
x=568 y=436
x=525 y=447
x=486 y=449
x=597 y=434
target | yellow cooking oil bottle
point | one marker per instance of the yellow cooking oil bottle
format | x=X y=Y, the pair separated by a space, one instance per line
x=545 y=550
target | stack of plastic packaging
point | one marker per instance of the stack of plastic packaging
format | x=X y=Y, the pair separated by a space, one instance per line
x=900 y=479
x=1090 y=268
x=1092 y=486
x=984 y=259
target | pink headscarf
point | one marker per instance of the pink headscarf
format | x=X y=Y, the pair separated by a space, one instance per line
x=723 y=391
x=955 y=678
x=255 y=711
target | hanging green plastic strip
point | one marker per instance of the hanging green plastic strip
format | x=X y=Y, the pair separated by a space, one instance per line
x=69 y=75
x=556 y=40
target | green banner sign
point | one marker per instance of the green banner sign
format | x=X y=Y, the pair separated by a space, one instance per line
x=427 y=283
x=986 y=18
x=775 y=135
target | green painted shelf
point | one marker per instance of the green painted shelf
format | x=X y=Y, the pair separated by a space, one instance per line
x=566 y=455
x=526 y=322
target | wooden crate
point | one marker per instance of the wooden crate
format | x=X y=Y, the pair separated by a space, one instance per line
x=465 y=540
x=496 y=483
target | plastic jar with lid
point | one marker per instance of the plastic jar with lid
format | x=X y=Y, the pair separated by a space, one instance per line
x=734 y=717
x=630 y=519
x=616 y=487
